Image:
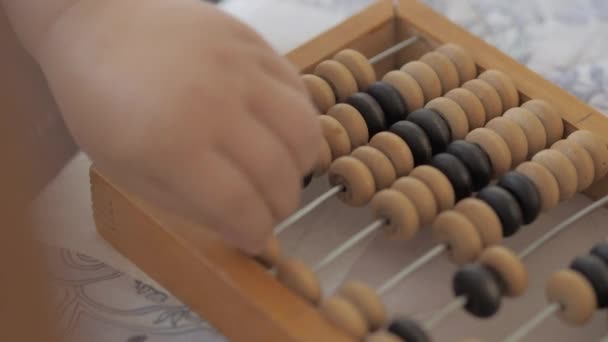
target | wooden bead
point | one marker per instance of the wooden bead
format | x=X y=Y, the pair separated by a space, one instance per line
x=435 y=127
x=344 y=316
x=481 y=287
x=495 y=147
x=426 y=77
x=390 y=101
x=271 y=254
x=575 y=295
x=456 y=231
x=476 y=161
x=562 y=169
x=438 y=183
x=445 y=69
x=506 y=207
x=532 y=127
x=472 y=106
x=396 y=150
x=336 y=136
x=423 y=197
x=581 y=159
x=596 y=272
x=370 y=110
x=545 y=182
x=600 y=250
x=504 y=86
x=513 y=135
x=484 y=219
x=324 y=159
x=300 y=279
x=357 y=179
x=306 y=180
x=338 y=76
x=510 y=268
x=467 y=70
x=381 y=167
x=320 y=92
x=367 y=301
x=457 y=173
x=359 y=66
x=407 y=86
x=549 y=116
x=417 y=140
x=408 y=330
x=596 y=148
x=524 y=191
x=453 y=114
x=399 y=212
x=383 y=336
x=353 y=123
x=488 y=96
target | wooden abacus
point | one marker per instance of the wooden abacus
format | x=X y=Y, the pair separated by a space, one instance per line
x=225 y=286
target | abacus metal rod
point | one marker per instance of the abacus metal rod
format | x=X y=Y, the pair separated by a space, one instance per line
x=411 y=268
x=527 y=327
x=344 y=247
x=298 y=215
x=447 y=310
x=333 y=191
x=548 y=236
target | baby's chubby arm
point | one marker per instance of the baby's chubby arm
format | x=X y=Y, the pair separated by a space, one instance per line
x=180 y=104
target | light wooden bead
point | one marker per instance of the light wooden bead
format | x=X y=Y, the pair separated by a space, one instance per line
x=367 y=301
x=438 y=183
x=397 y=151
x=467 y=70
x=381 y=167
x=575 y=295
x=562 y=169
x=581 y=159
x=472 y=106
x=455 y=230
x=596 y=148
x=445 y=69
x=399 y=212
x=453 y=114
x=338 y=76
x=336 y=136
x=426 y=77
x=513 y=135
x=532 y=127
x=510 y=268
x=422 y=196
x=353 y=123
x=549 y=116
x=357 y=179
x=495 y=147
x=299 y=278
x=407 y=86
x=504 y=86
x=344 y=316
x=383 y=336
x=324 y=159
x=359 y=66
x=488 y=96
x=484 y=218
x=271 y=255
x=320 y=92
x=545 y=183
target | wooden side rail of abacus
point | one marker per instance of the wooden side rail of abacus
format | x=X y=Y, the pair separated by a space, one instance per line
x=230 y=290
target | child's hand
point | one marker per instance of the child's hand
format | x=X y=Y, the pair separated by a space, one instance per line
x=186 y=107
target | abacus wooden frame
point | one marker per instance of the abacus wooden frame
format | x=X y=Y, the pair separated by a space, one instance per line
x=229 y=289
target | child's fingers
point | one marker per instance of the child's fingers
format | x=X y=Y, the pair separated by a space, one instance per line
x=263 y=157
x=225 y=200
x=291 y=116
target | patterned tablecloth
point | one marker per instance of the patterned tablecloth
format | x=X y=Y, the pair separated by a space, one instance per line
x=565 y=41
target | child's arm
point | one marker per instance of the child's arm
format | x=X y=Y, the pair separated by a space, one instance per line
x=179 y=103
